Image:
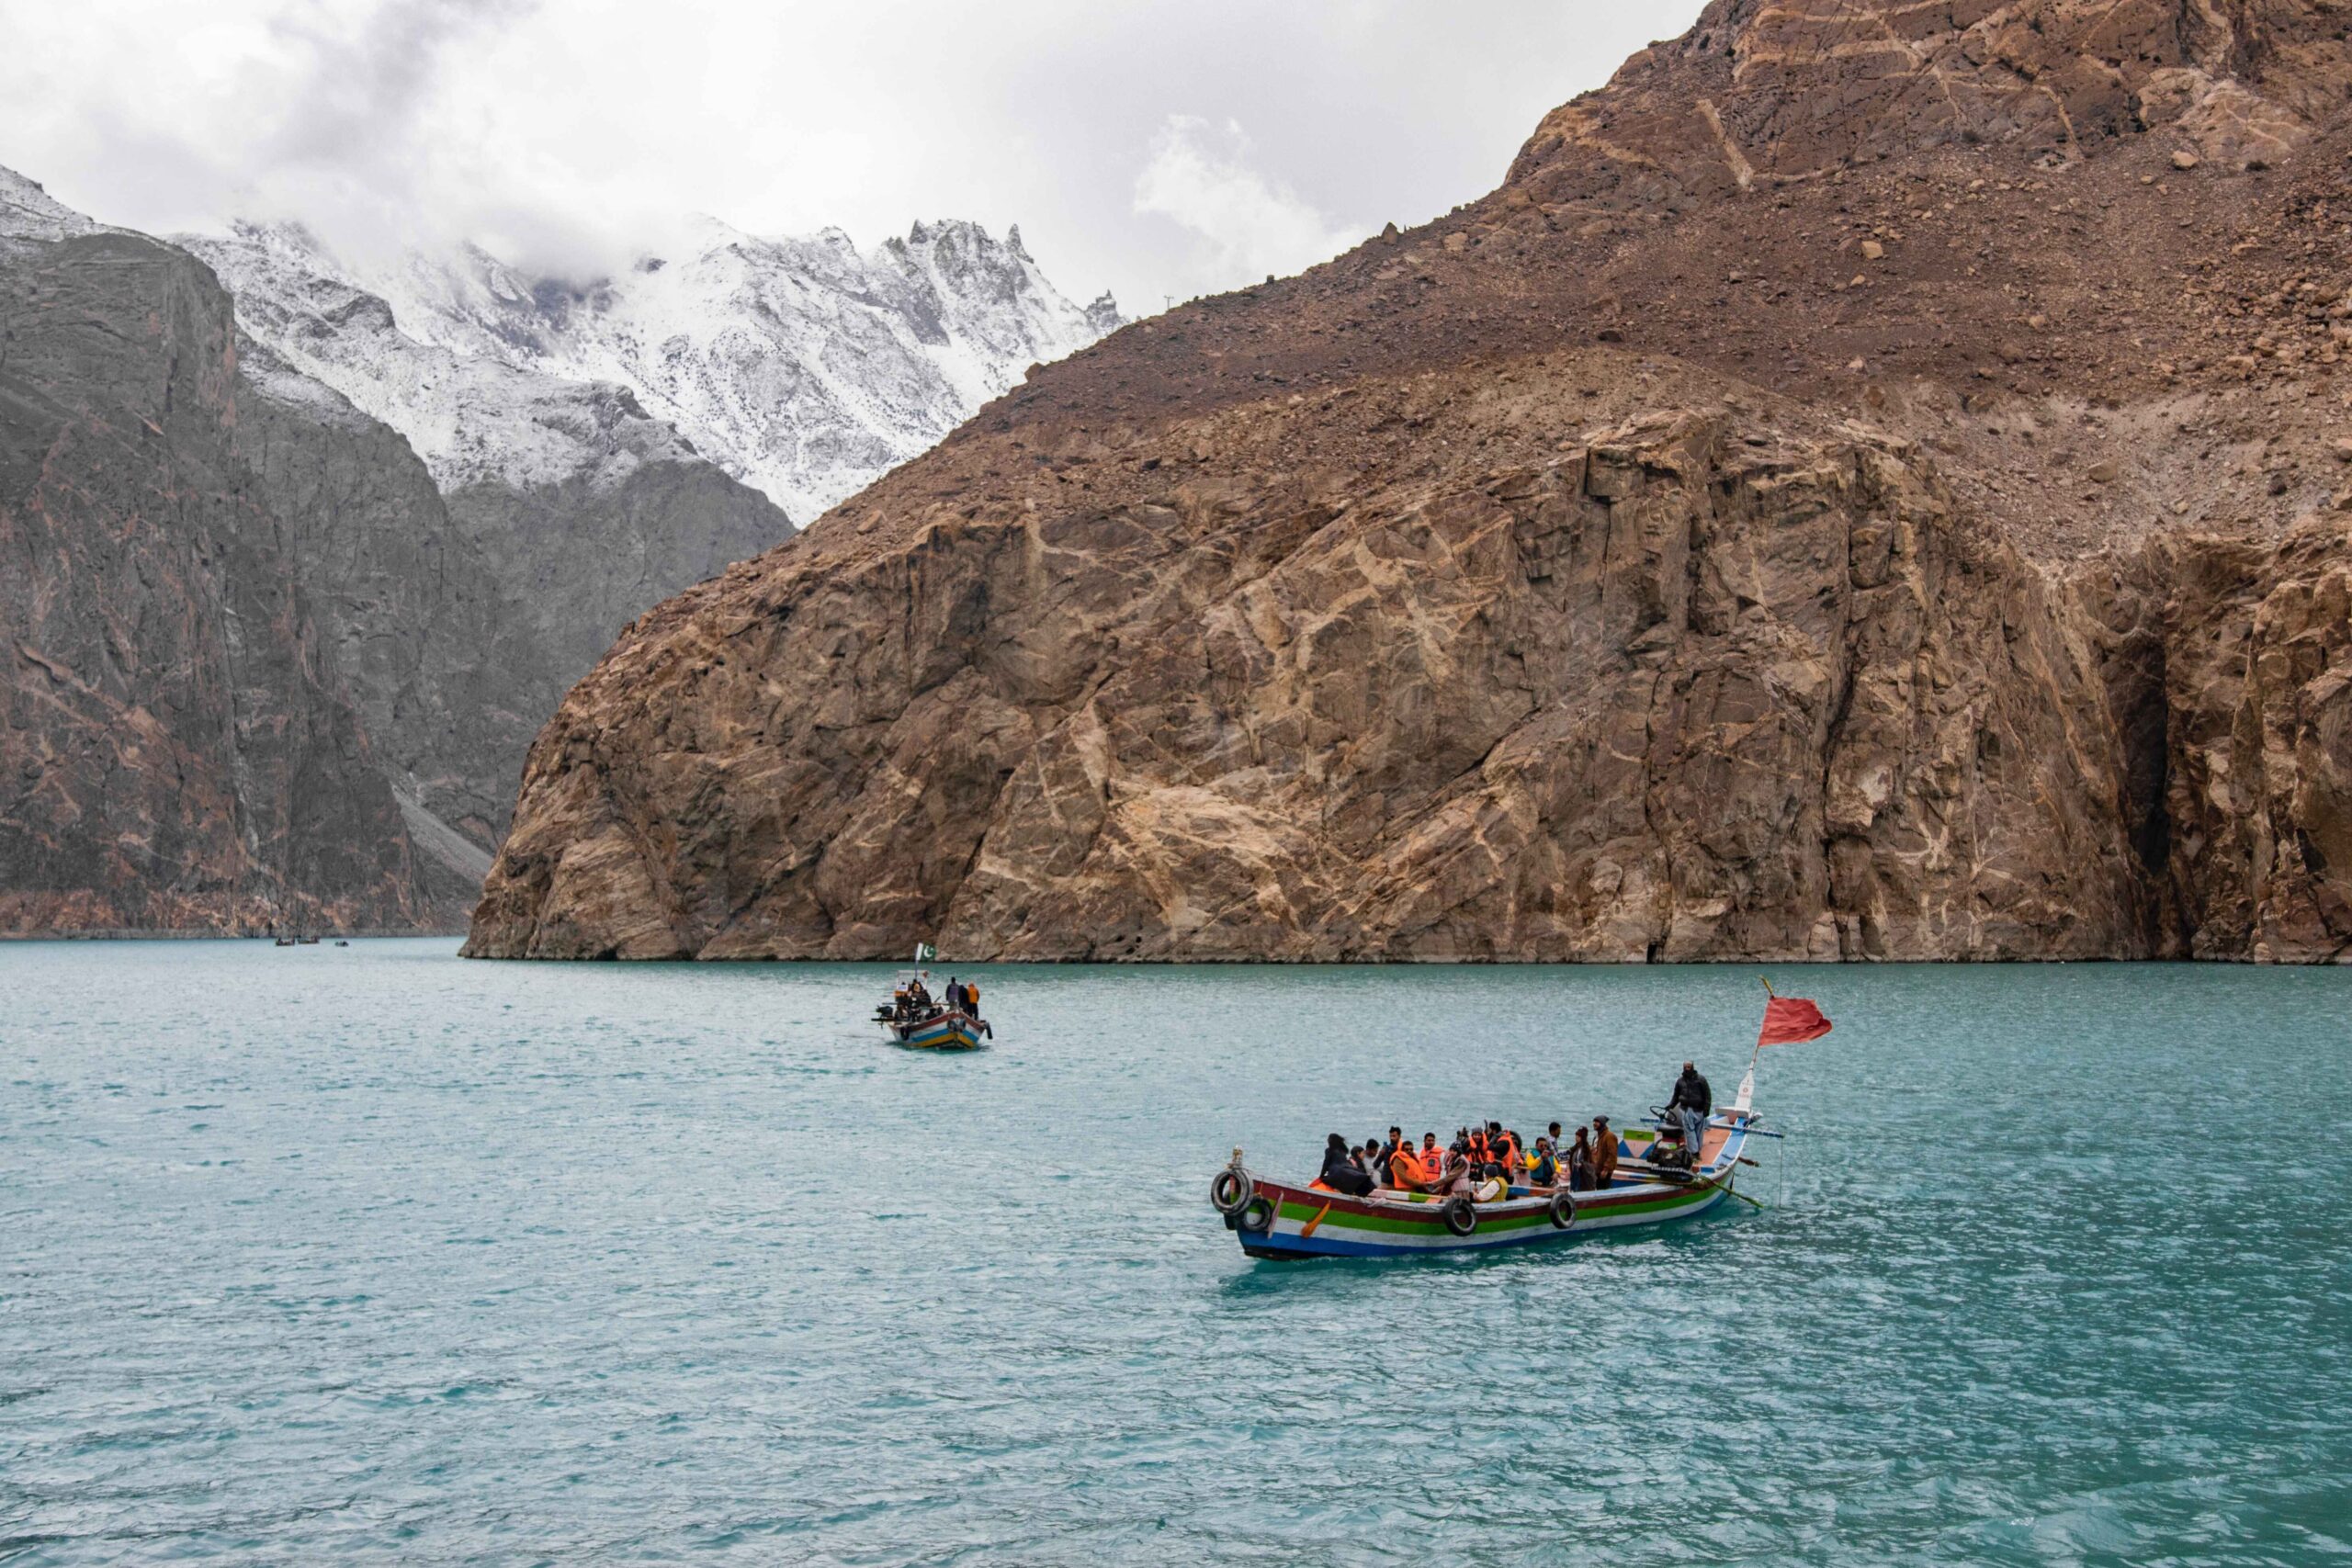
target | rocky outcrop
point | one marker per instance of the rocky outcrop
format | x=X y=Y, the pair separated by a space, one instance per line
x=462 y=619
x=179 y=751
x=253 y=545
x=1700 y=687
x=1838 y=498
x=414 y=612
x=2258 y=678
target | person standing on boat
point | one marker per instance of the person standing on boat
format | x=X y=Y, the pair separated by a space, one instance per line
x=1604 y=1153
x=1580 y=1161
x=1693 y=1101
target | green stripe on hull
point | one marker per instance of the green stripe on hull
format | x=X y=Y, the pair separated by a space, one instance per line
x=1434 y=1225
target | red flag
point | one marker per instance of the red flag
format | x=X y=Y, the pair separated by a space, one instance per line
x=1791 y=1020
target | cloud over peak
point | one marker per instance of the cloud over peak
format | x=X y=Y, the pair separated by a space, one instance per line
x=1243 y=223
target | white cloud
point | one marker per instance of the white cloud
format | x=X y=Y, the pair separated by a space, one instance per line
x=1245 y=225
x=565 y=134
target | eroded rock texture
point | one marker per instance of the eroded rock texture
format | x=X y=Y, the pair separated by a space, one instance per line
x=178 y=749
x=1690 y=688
x=1870 y=484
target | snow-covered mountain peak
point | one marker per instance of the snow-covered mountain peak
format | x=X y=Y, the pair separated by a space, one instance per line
x=29 y=212
x=803 y=365
x=471 y=417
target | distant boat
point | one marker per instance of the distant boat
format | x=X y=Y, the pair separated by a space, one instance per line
x=307 y=940
x=284 y=942
x=340 y=942
x=940 y=1031
x=922 y=1024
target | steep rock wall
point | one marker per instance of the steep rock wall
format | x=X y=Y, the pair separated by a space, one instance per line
x=1694 y=688
x=178 y=749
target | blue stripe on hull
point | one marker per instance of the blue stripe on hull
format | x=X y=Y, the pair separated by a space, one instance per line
x=1322 y=1246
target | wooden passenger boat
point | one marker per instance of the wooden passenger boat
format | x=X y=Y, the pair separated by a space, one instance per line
x=1280 y=1219
x=934 y=1027
x=946 y=1031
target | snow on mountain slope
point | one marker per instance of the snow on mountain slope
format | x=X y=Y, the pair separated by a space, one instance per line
x=28 y=212
x=470 y=418
x=802 y=367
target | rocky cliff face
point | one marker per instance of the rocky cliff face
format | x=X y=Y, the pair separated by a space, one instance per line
x=1708 y=684
x=382 y=653
x=179 y=751
x=1867 y=485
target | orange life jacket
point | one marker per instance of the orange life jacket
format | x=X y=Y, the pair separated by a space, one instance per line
x=1405 y=1168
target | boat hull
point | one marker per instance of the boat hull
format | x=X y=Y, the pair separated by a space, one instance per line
x=1312 y=1223
x=947 y=1032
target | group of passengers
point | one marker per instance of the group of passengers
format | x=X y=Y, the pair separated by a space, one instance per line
x=912 y=1002
x=1486 y=1163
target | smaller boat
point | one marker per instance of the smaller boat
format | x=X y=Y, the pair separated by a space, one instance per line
x=943 y=1031
x=915 y=1019
x=307 y=940
x=283 y=942
x=340 y=942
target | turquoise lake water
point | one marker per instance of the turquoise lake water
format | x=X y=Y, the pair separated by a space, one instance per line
x=371 y=1254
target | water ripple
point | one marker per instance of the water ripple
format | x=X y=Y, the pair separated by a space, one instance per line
x=370 y=1255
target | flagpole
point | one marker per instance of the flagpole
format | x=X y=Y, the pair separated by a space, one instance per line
x=1747 y=1084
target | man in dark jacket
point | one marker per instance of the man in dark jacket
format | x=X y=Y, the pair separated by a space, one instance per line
x=1693 y=1103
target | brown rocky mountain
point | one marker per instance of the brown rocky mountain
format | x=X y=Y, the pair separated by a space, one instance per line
x=1873 y=482
x=262 y=673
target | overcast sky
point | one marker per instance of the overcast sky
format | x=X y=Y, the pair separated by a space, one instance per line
x=1150 y=148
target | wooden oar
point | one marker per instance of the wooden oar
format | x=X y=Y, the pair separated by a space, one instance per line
x=1717 y=1183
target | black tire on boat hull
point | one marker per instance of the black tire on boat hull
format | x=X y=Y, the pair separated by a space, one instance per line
x=1229 y=1193
x=1461 y=1218
x=1564 y=1210
x=1257 y=1215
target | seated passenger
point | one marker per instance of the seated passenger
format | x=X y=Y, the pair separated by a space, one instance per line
x=1341 y=1171
x=1406 y=1172
x=1543 y=1171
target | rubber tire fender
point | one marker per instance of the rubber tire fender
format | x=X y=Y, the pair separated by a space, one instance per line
x=1247 y=1215
x=1230 y=1193
x=1564 y=1210
x=1460 y=1217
